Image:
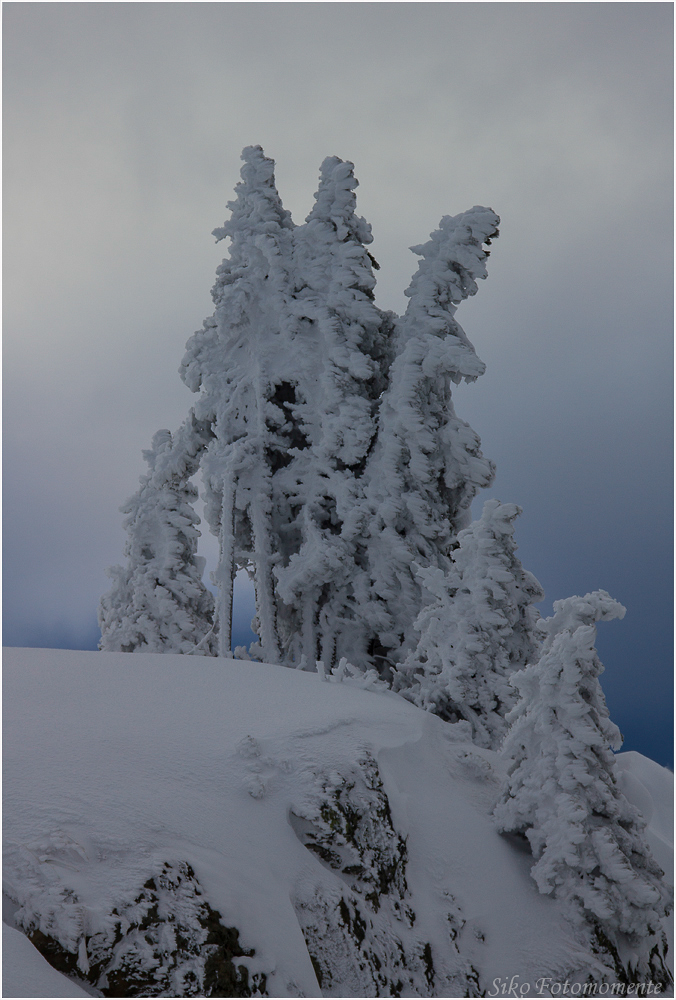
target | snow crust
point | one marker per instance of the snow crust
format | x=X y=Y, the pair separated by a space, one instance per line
x=118 y=764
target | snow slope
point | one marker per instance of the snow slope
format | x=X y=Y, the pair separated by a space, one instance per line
x=145 y=784
x=25 y=973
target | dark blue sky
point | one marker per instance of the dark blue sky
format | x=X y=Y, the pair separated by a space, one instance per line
x=117 y=168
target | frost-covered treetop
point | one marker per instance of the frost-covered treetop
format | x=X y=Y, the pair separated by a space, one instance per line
x=486 y=553
x=568 y=664
x=452 y=260
x=456 y=246
x=255 y=276
x=478 y=545
x=335 y=201
x=573 y=612
x=335 y=280
x=257 y=198
x=161 y=443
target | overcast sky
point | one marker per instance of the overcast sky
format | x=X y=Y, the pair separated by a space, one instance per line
x=124 y=123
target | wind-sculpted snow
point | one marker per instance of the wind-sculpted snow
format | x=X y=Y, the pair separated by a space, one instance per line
x=198 y=826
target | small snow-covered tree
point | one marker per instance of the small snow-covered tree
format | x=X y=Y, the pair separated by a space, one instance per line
x=562 y=794
x=341 y=347
x=427 y=465
x=242 y=365
x=158 y=603
x=479 y=629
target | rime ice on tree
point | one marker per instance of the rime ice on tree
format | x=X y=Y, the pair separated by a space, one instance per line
x=339 y=347
x=158 y=603
x=427 y=465
x=239 y=360
x=333 y=457
x=478 y=630
x=562 y=794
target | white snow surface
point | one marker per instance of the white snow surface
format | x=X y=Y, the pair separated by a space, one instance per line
x=25 y=973
x=115 y=764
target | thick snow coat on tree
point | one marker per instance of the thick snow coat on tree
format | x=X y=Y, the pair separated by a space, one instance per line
x=342 y=345
x=427 y=465
x=334 y=457
x=158 y=603
x=479 y=629
x=239 y=360
x=562 y=794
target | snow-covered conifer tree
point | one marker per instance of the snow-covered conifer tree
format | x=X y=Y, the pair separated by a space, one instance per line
x=334 y=459
x=562 y=794
x=427 y=465
x=158 y=603
x=341 y=350
x=242 y=364
x=477 y=631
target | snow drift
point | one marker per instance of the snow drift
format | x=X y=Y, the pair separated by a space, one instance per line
x=211 y=827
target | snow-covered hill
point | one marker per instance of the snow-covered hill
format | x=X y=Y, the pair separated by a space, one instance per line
x=181 y=826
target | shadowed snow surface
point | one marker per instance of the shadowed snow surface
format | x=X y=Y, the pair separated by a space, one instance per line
x=116 y=764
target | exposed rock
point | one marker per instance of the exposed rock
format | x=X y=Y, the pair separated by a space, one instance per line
x=359 y=927
x=168 y=941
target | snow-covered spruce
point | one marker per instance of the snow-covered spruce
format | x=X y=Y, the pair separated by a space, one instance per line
x=158 y=603
x=426 y=466
x=340 y=351
x=562 y=794
x=479 y=629
x=242 y=364
x=335 y=457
